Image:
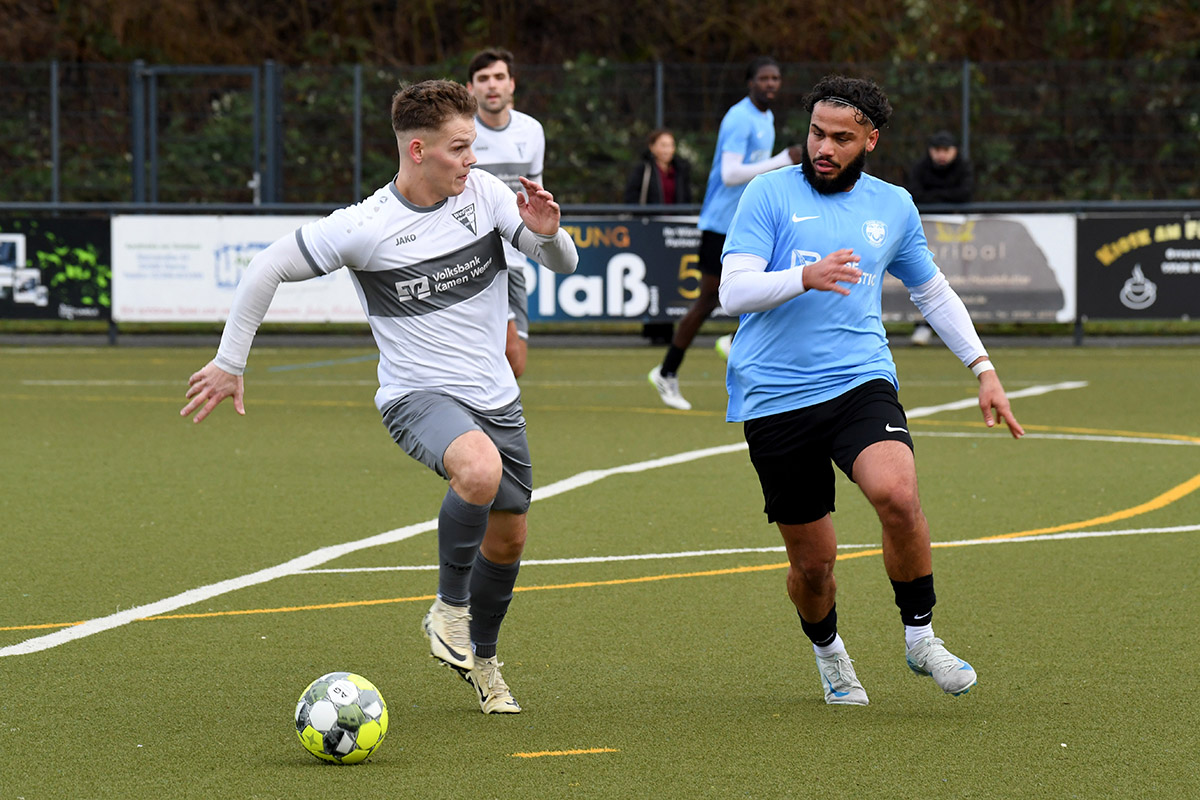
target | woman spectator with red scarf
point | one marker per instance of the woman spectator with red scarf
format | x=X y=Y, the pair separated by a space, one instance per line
x=661 y=177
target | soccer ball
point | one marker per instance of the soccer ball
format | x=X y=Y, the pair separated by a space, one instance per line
x=341 y=717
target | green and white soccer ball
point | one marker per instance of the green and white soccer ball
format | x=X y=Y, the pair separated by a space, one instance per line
x=341 y=717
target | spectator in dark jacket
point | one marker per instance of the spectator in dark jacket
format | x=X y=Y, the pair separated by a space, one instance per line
x=941 y=176
x=661 y=177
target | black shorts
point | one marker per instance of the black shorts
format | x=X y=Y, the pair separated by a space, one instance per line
x=711 y=245
x=792 y=451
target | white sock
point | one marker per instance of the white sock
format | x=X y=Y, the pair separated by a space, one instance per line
x=915 y=633
x=831 y=649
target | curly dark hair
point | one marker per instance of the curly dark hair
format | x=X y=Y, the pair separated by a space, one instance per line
x=863 y=95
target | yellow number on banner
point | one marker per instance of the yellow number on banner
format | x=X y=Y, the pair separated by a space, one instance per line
x=688 y=271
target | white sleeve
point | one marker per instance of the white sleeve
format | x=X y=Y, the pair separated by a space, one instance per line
x=282 y=261
x=537 y=163
x=947 y=315
x=735 y=172
x=556 y=252
x=747 y=287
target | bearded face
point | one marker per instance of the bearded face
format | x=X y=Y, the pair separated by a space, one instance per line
x=837 y=146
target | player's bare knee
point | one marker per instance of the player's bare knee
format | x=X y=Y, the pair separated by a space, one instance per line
x=506 y=550
x=477 y=479
x=504 y=541
x=813 y=574
x=898 y=510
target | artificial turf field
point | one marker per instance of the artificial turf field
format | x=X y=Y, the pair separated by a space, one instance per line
x=680 y=675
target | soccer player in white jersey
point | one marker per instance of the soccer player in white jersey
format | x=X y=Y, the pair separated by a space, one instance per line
x=425 y=255
x=744 y=144
x=510 y=145
x=811 y=376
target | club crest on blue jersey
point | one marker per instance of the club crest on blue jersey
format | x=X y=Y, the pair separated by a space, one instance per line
x=875 y=232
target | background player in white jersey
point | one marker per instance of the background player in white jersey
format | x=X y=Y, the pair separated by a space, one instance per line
x=510 y=145
x=744 y=144
x=811 y=376
x=426 y=259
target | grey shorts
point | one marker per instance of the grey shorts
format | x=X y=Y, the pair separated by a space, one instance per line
x=518 y=300
x=425 y=423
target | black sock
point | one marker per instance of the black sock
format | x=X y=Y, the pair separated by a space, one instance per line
x=916 y=600
x=672 y=360
x=461 y=526
x=491 y=592
x=821 y=633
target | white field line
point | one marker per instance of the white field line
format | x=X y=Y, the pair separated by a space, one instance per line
x=1049 y=537
x=541 y=562
x=973 y=402
x=326 y=554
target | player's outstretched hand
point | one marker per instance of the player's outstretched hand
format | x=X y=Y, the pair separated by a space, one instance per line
x=210 y=386
x=992 y=396
x=538 y=209
x=830 y=272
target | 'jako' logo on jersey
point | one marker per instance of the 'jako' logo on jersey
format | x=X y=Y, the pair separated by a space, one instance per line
x=875 y=232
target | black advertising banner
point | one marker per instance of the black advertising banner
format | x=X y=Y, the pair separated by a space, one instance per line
x=1006 y=268
x=55 y=268
x=1139 y=267
x=633 y=269
x=1016 y=268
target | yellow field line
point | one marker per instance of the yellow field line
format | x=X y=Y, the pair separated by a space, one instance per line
x=587 y=752
x=1173 y=437
x=1163 y=500
x=427 y=597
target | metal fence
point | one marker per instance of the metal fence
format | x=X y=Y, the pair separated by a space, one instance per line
x=142 y=133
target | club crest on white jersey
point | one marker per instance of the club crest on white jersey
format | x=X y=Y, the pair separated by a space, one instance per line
x=467 y=217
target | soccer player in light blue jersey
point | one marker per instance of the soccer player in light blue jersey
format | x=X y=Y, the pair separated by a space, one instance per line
x=812 y=379
x=744 y=145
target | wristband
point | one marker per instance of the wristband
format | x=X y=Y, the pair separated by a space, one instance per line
x=982 y=367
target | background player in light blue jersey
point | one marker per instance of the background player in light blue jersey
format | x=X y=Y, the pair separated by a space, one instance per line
x=811 y=377
x=744 y=145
